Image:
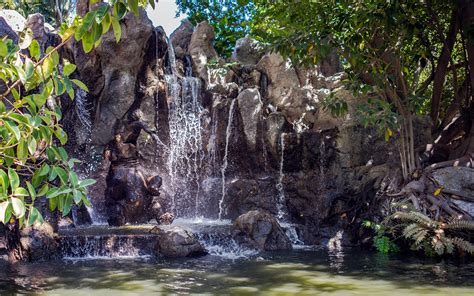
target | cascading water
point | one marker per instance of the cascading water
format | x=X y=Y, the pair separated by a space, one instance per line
x=225 y=161
x=281 y=207
x=185 y=155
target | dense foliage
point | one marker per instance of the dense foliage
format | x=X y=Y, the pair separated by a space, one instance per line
x=33 y=165
x=231 y=19
x=55 y=12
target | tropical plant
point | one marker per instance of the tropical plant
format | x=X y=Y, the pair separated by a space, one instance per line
x=54 y=11
x=231 y=19
x=381 y=239
x=33 y=166
x=415 y=56
x=432 y=236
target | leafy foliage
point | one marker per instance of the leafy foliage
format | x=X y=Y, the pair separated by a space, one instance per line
x=434 y=237
x=382 y=242
x=54 y=11
x=231 y=19
x=32 y=163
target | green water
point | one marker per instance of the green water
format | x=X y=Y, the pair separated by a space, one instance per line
x=316 y=272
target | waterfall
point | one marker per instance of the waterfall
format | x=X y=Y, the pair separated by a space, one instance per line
x=279 y=186
x=225 y=159
x=290 y=230
x=185 y=155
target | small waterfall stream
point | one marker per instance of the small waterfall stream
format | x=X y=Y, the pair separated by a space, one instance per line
x=225 y=161
x=281 y=205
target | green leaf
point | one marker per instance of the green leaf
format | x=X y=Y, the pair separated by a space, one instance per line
x=34 y=49
x=68 y=68
x=32 y=145
x=3 y=49
x=73 y=178
x=18 y=207
x=61 y=135
x=62 y=174
x=43 y=190
x=86 y=182
x=53 y=203
x=68 y=202
x=47 y=67
x=14 y=179
x=77 y=196
x=12 y=127
x=35 y=216
x=117 y=29
x=20 y=191
x=86 y=25
x=5 y=212
x=44 y=169
x=88 y=42
x=22 y=150
x=31 y=190
x=80 y=84
x=133 y=4
x=4 y=181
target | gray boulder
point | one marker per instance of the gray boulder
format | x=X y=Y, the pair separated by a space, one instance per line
x=261 y=230
x=175 y=242
x=39 y=242
x=248 y=51
x=6 y=30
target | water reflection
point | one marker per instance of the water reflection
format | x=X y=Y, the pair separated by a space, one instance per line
x=302 y=272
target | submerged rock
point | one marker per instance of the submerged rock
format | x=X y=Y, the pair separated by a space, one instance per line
x=177 y=242
x=261 y=230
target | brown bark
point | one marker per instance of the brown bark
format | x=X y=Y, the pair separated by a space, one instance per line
x=441 y=68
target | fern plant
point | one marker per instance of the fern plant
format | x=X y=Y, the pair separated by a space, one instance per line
x=432 y=236
x=381 y=241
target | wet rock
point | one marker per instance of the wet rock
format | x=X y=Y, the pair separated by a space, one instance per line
x=181 y=37
x=230 y=90
x=166 y=219
x=248 y=51
x=111 y=73
x=39 y=242
x=201 y=49
x=175 y=242
x=250 y=105
x=274 y=125
x=261 y=230
x=245 y=195
x=154 y=184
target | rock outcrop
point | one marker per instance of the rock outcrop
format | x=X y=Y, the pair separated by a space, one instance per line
x=262 y=231
x=175 y=242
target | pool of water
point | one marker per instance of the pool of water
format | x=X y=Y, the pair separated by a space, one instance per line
x=300 y=272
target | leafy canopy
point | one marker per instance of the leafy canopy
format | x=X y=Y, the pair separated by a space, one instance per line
x=33 y=165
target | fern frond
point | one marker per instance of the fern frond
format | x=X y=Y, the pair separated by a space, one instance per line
x=448 y=244
x=413 y=217
x=420 y=236
x=460 y=225
x=411 y=230
x=438 y=246
x=463 y=245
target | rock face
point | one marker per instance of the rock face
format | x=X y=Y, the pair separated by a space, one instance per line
x=201 y=49
x=14 y=19
x=458 y=181
x=250 y=106
x=248 y=51
x=112 y=72
x=181 y=37
x=261 y=230
x=177 y=242
x=39 y=242
x=6 y=30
